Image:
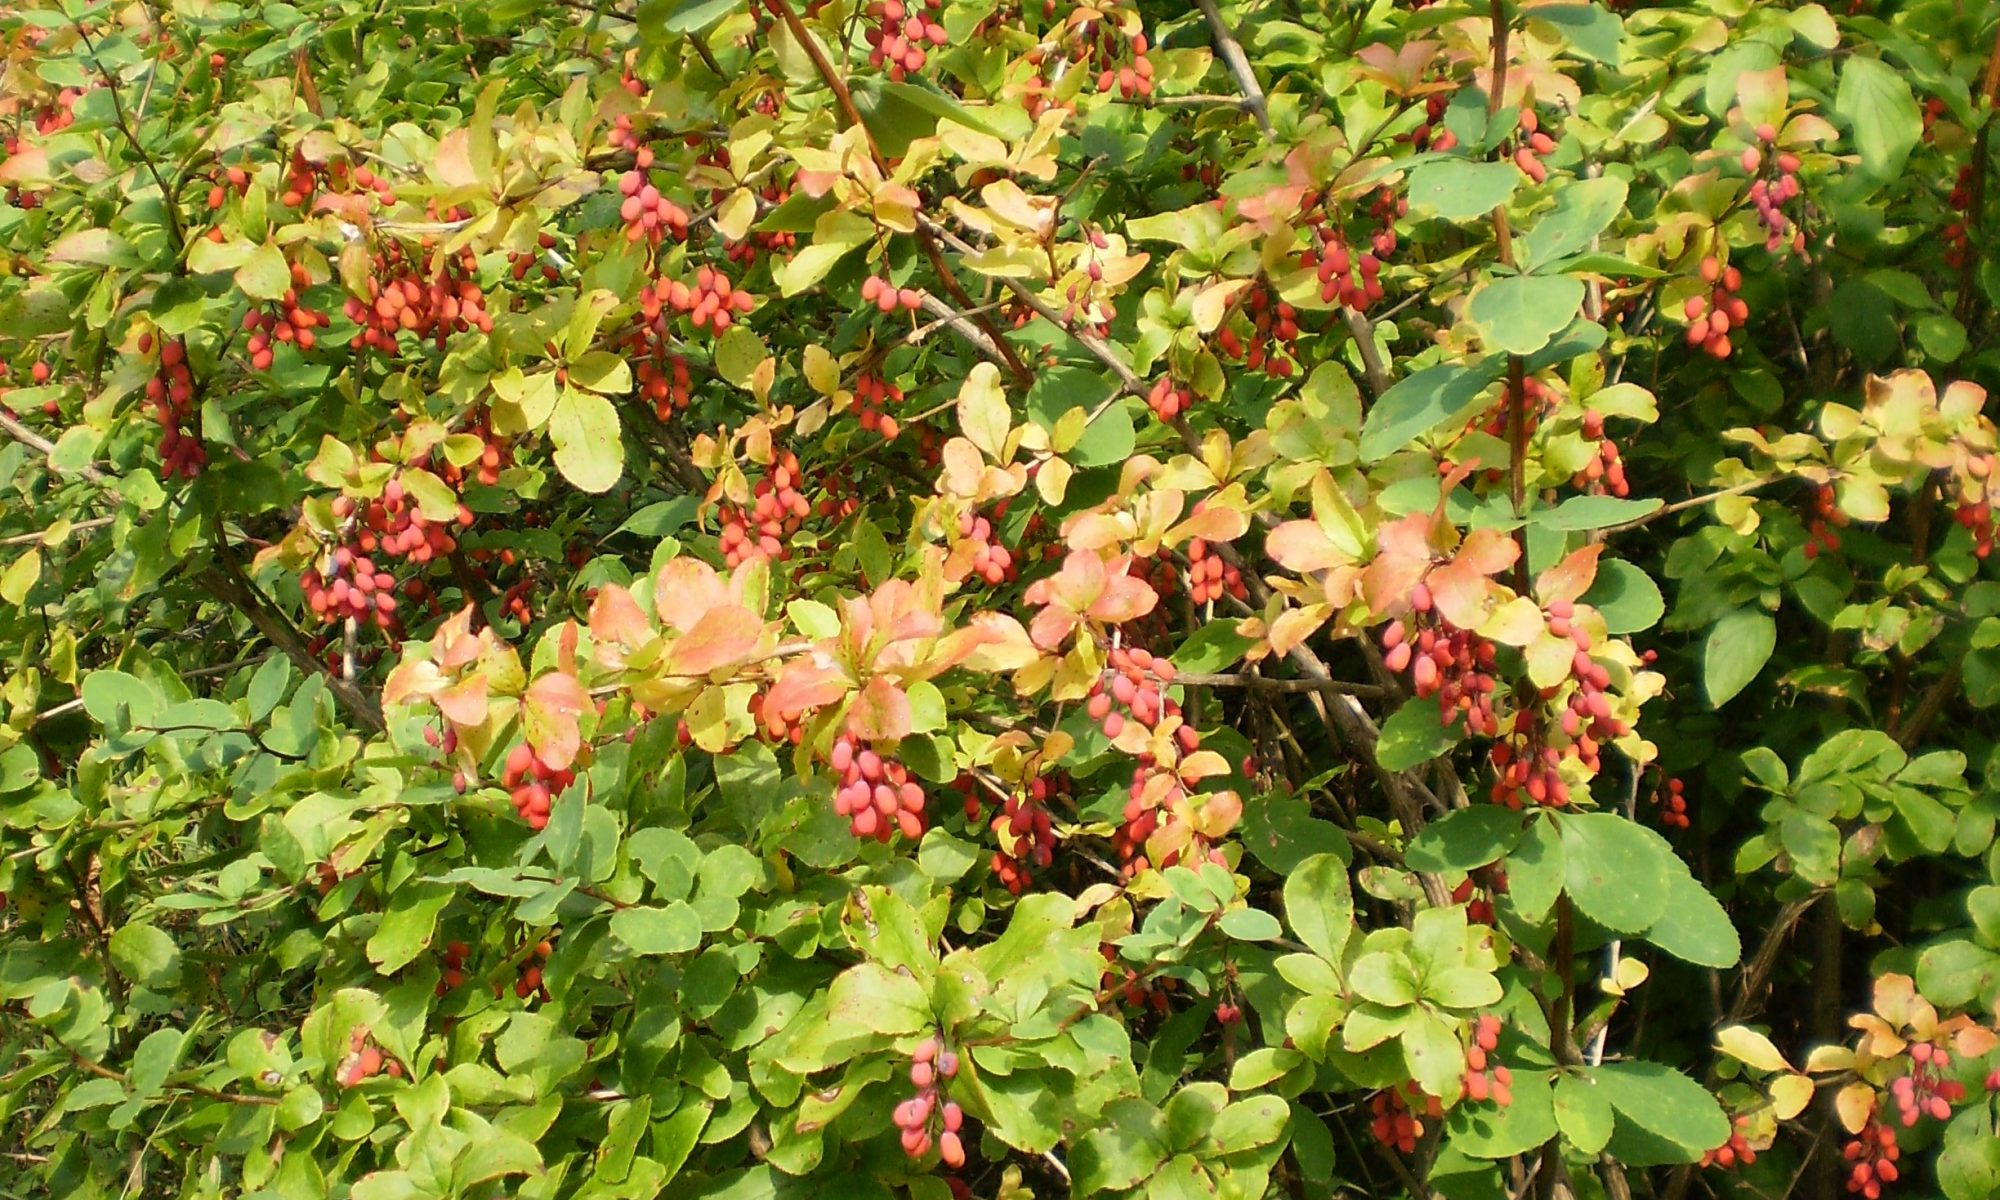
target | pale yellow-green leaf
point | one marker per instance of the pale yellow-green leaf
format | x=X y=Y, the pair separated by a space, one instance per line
x=982 y=410
x=589 y=452
x=1747 y=1046
x=20 y=576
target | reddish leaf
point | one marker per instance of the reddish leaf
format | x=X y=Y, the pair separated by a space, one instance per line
x=549 y=718
x=881 y=712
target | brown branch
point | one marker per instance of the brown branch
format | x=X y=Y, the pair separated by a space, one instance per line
x=227 y=583
x=844 y=99
x=1239 y=66
x=1263 y=683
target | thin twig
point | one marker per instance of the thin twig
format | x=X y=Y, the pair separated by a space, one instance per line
x=1239 y=66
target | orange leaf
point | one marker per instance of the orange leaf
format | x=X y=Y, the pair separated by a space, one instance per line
x=805 y=684
x=617 y=624
x=1303 y=547
x=465 y=702
x=1571 y=577
x=723 y=637
x=881 y=712
x=549 y=718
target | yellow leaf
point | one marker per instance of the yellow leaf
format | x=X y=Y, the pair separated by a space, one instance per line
x=1052 y=481
x=1789 y=1095
x=982 y=411
x=1855 y=1103
x=734 y=215
x=1829 y=1058
x=1747 y=1046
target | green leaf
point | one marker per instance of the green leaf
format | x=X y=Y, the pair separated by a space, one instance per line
x=1535 y=870
x=1625 y=596
x=1881 y=113
x=1459 y=189
x=1122 y=1150
x=837 y=233
x=265 y=275
x=675 y=929
x=1385 y=978
x=1523 y=313
x=1415 y=734
x=1592 y=512
x=1319 y=905
x=407 y=925
x=1422 y=402
x=1489 y=1131
x=1464 y=839
x=1737 y=649
x=602 y=372
x=1432 y=1054
x=1695 y=928
x=661 y=517
x=871 y=996
x=1583 y=1113
x=658 y=18
x=1584 y=208
x=1592 y=30
x=1250 y=925
x=146 y=955
x=1968 y=1167
x=1617 y=870
x=589 y=452
x=1664 y=1104
x=1213 y=646
x=1461 y=987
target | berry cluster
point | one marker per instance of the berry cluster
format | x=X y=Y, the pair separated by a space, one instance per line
x=1711 y=318
x=648 y=215
x=400 y=300
x=1528 y=759
x=1533 y=146
x=778 y=727
x=530 y=981
x=1345 y=278
x=778 y=508
x=1394 y=1123
x=171 y=390
x=1925 y=1091
x=902 y=29
x=364 y=1060
x=712 y=303
x=1169 y=399
x=1873 y=1153
x=1455 y=665
x=984 y=555
x=1604 y=474
x=1477 y=890
x=1769 y=194
x=1026 y=835
x=881 y=292
x=1273 y=327
x=288 y=321
x=393 y=525
x=533 y=784
x=495 y=456
x=301 y=181
x=875 y=794
x=351 y=590
x=1133 y=989
x=931 y=1064
x=1977 y=517
x=232 y=179
x=1135 y=679
x=1120 y=61
x=872 y=396
x=1210 y=578
x=1826 y=518
x=1485 y=1080
x=1672 y=799
x=542 y=256
x=1955 y=238
x=1432 y=135
x=454 y=958
x=1735 y=1152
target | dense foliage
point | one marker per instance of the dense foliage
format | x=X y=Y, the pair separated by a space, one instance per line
x=749 y=598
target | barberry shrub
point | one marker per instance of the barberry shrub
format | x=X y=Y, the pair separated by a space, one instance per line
x=754 y=598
